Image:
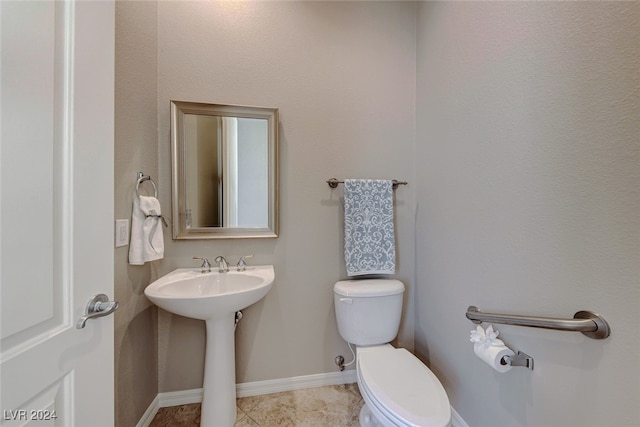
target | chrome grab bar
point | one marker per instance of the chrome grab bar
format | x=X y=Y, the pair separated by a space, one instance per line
x=590 y=324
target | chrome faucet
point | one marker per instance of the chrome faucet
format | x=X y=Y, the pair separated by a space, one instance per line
x=242 y=265
x=206 y=265
x=223 y=265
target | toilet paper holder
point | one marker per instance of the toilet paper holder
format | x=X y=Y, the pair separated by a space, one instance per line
x=519 y=359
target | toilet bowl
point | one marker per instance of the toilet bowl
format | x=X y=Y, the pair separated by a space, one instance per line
x=398 y=389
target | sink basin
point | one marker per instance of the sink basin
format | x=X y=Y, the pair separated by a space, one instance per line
x=214 y=297
x=191 y=293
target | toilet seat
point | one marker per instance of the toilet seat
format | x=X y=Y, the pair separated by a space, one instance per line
x=402 y=388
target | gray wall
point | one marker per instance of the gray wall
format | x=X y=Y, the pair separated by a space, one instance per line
x=528 y=202
x=519 y=142
x=136 y=142
x=343 y=78
x=345 y=93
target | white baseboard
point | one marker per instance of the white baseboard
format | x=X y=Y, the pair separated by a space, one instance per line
x=456 y=419
x=151 y=412
x=183 y=397
x=255 y=388
x=295 y=383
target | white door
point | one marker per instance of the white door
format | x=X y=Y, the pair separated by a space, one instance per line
x=56 y=212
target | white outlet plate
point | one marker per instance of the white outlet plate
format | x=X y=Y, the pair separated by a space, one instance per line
x=122 y=232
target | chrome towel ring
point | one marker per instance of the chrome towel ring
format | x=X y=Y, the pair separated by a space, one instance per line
x=142 y=178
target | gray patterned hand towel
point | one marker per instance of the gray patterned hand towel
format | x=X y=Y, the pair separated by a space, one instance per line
x=369 y=241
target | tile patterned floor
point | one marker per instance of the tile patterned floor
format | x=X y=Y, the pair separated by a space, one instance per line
x=330 y=406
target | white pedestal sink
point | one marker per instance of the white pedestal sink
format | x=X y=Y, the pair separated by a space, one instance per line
x=214 y=297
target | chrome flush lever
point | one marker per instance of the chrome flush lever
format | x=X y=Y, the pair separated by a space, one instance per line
x=98 y=306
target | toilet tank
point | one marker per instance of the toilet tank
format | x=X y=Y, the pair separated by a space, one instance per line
x=368 y=311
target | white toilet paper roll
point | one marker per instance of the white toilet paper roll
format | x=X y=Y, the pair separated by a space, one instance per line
x=492 y=355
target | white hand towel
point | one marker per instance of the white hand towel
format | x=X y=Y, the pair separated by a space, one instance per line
x=369 y=240
x=147 y=240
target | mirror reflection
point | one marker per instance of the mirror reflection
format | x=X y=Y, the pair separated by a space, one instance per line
x=224 y=171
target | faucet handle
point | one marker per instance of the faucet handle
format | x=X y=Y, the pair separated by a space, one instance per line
x=206 y=265
x=242 y=265
x=223 y=264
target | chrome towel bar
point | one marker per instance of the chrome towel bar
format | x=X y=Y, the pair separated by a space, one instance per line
x=333 y=183
x=591 y=324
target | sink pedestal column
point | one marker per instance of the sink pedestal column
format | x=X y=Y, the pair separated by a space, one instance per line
x=219 y=386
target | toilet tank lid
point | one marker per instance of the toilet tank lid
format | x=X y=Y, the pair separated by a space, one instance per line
x=368 y=287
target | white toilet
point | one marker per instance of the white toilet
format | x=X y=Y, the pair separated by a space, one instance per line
x=398 y=389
